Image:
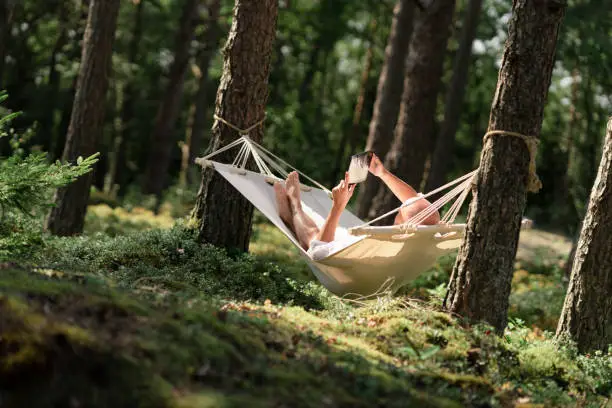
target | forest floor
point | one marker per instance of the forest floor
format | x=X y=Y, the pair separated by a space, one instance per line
x=135 y=313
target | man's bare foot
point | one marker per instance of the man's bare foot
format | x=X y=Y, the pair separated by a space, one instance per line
x=292 y=185
x=282 y=201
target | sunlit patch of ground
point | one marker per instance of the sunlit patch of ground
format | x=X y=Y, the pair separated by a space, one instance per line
x=118 y=220
x=534 y=244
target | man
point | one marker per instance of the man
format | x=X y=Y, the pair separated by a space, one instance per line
x=320 y=241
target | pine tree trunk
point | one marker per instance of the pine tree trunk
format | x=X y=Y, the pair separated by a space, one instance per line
x=415 y=126
x=350 y=138
x=587 y=313
x=86 y=123
x=129 y=97
x=388 y=96
x=199 y=126
x=59 y=139
x=442 y=157
x=163 y=137
x=45 y=130
x=6 y=19
x=479 y=286
x=222 y=215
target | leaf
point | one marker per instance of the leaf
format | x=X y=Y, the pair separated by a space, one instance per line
x=429 y=352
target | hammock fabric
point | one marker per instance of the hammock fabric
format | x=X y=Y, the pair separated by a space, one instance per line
x=374 y=258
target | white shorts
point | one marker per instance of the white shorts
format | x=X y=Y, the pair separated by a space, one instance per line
x=319 y=250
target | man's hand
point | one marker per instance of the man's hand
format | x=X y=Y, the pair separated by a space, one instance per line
x=342 y=193
x=376 y=166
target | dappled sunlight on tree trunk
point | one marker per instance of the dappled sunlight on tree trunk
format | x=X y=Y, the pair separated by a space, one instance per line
x=587 y=313
x=221 y=214
x=86 y=123
x=479 y=286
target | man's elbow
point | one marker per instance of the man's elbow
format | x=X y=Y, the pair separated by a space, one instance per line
x=433 y=219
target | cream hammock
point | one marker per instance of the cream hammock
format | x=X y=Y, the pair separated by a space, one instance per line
x=374 y=257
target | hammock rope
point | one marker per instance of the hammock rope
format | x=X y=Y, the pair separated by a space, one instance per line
x=266 y=161
x=242 y=132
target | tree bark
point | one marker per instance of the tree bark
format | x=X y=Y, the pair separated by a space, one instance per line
x=86 y=123
x=416 y=120
x=6 y=19
x=210 y=42
x=45 y=130
x=76 y=49
x=479 y=286
x=587 y=313
x=442 y=157
x=129 y=97
x=221 y=214
x=350 y=138
x=388 y=96
x=162 y=139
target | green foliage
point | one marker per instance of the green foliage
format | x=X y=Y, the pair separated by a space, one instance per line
x=26 y=184
x=172 y=260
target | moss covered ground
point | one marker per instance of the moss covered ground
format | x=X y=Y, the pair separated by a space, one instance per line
x=136 y=314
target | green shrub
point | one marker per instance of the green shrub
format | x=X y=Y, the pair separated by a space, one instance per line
x=171 y=260
x=26 y=185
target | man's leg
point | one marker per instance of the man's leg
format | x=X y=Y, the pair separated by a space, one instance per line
x=304 y=227
x=284 y=208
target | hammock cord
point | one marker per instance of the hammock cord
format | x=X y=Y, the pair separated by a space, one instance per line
x=264 y=159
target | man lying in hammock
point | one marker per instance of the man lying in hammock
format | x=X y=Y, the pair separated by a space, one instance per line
x=320 y=242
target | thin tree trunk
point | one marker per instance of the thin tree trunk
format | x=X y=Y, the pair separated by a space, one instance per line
x=415 y=126
x=199 y=119
x=587 y=313
x=6 y=19
x=388 y=96
x=59 y=139
x=128 y=98
x=350 y=138
x=442 y=157
x=86 y=123
x=45 y=130
x=221 y=214
x=479 y=286
x=162 y=140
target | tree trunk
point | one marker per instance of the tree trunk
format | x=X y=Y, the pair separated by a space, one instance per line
x=45 y=130
x=350 y=138
x=587 y=313
x=479 y=286
x=86 y=123
x=162 y=139
x=567 y=269
x=210 y=42
x=59 y=139
x=129 y=97
x=388 y=96
x=221 y=214
x=442 y=157
x=415 y=126
x=6 y=19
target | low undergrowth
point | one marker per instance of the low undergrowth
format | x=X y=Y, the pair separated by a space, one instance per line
x=153 y=319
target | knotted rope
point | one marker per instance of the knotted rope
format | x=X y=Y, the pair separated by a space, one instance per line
x=242 y=132
x=533 y=184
